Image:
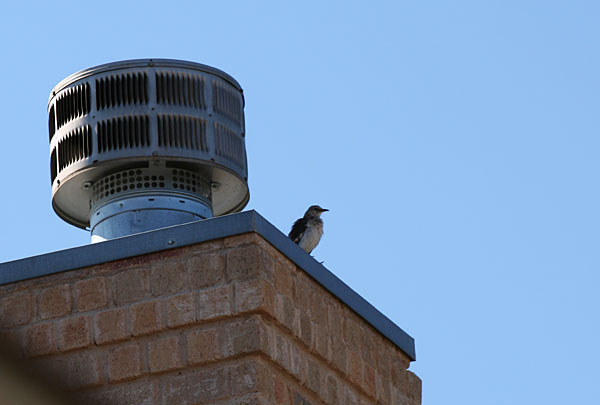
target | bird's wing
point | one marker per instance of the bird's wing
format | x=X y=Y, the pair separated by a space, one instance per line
x=298 y=230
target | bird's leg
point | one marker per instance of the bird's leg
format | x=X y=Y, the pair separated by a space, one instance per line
x=316 y=259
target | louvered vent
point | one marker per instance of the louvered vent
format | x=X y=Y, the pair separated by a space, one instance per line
x=117 y=90
x=75 y=146
x=179 y=131
x=51 y=123
x=123 y=132
x=72 y=103
x=229 y=145
x=180 y=89
x=53 y=171
x=142 y=144
x=226 y=102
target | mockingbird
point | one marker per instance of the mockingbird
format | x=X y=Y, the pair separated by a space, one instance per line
x=307 y=231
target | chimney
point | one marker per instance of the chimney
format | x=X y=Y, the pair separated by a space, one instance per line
x=143 y=144
x=226 y=310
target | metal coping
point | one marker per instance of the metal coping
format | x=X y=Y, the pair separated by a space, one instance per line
x=198 y=232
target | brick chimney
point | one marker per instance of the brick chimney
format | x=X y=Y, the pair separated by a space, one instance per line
x=222 y=311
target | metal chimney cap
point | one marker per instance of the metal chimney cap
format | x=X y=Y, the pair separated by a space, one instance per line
x=158 y=116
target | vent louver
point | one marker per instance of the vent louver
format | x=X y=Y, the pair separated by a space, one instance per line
x=229 y=145
x=75 y=146
x=180 y=89
x=72 y=103
x=141 y=144
x=51 y=123
x=123 y=133
x=226 y=102
x=117 y=90
x=53 y=169
x=176 y=131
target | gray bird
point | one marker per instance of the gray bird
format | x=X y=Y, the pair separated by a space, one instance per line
x=307 y=231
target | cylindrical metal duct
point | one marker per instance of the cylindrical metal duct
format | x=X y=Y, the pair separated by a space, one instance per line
x=143 y=144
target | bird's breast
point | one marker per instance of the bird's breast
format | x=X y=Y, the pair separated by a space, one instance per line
x=311 y=236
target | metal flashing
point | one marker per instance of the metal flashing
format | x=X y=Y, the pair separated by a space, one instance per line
x=198 y=232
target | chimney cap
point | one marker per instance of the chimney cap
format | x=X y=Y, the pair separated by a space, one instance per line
x=158 y=116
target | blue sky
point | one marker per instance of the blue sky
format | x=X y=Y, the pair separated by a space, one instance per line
x=455 y=142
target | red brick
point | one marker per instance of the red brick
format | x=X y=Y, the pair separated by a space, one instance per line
x=383 y=388
x=368 y=348
x=318 y=310
x=250 y=238
x=168 y=278
x=249 y=262
x=15 y=310
x=181 y=310
x=350 y=397
x=332 y=390
x=300 y=400
x=335 y=317
x=369 y=380
x=215 y=302
x=202 y=346
x=320 y=342
x=39 y=340
x=352 y=332
x=282 y=351
x=206 y=269
x=207 y=246
x=124 y=363
x=163 y=354
x=302 y=290
x=175 y=390
x=10 y=339
x=383 y=360
x=204 y=386
x=355 y=367
x=314 y=376
x=198 y=387
x=244 y=378
x=400 y=357
x=74 y=333
x=339 y=355
x=281 y=393
x=54 y=301
x=244 y=337
x=413 y=387
x=284 y=280
x=285 y=311
x=144 y=392
x=83 y=371
x=145 y=318
x=131 y=285
x=254 y=295
x=297 y=362
x=305 y=329
x=90 y=294
x=398 y=371
x=111 y=326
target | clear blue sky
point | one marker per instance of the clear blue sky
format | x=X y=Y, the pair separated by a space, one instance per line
x=455 y=142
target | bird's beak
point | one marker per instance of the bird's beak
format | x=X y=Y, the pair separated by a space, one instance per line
x=324 y=209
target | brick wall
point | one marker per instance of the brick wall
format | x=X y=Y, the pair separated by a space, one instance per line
x=227 y=321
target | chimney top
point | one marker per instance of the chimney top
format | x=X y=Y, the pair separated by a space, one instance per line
x=142 y=144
